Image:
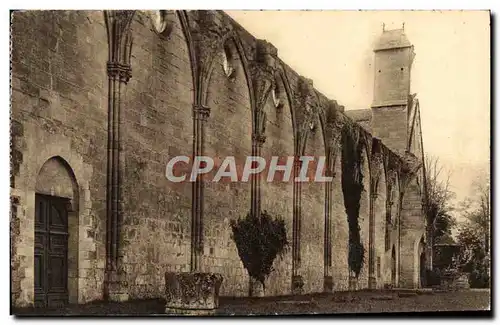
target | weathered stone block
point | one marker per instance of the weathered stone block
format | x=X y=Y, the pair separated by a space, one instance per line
x=353 y=283
x=192 y=293
x=328 y=284
x=256 y=288
x=297 y=284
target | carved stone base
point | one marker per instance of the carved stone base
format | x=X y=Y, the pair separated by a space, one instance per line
x=297 y=285
x=192 y=293
x=256 y=289
x=372 y=283
x=117 y=287
x=328 y=283
x=118 y=296
x=353 y=283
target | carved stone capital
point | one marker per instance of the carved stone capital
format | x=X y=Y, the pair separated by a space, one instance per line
x=209 y=33
x=119 y=71
x=259 y=139
x=330 y=173
x=263 y=81
x=306 y=108
x=263 y=71
x=260 y=122
x=333 y=118
x=119 y=42
x=298 y=163
x=201 y=112
x=377 y=159
x=266 y=53
x=410 y=166
x=368 y=142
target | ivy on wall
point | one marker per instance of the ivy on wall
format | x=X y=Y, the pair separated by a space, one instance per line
x=352 y=188
x=259 y=241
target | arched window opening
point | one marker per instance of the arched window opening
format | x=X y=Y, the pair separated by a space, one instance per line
x=161 y=24
x=276 y=97
x=227 y=62
x=312 y=126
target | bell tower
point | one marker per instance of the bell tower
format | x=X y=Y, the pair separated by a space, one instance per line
x=394 y=56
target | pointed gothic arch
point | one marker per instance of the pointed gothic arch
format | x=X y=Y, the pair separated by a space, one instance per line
x=56 y=233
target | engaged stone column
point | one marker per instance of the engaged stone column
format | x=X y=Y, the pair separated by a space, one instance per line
x=200 y=115
x=372 y=280
x=327 y=278
x=196 y=292
x=119 y=73
x=297 y=281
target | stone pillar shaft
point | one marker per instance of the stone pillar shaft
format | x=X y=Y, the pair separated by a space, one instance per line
x=258 y=141
x=327 y=279
x=119 y=73
x=372 y=279
x=296 y=218
x=200 y=115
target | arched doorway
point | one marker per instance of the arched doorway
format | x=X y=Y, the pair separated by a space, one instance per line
x=393 y=267
x=56 y=235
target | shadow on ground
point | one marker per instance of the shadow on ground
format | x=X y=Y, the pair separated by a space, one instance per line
x=321 y=303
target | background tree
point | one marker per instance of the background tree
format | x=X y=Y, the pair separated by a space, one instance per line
x=474 y=231
x=438 y=204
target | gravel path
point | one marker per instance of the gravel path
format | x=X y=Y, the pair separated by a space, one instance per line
x=337 y=303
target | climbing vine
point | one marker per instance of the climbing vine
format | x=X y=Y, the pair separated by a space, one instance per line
x=259 y=241
x=352 y=188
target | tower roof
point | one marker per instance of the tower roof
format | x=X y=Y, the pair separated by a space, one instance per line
x=392 y=39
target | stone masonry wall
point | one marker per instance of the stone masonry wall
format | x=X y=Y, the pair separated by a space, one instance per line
x=364 y=222
x=340 y=229
x=228 y=133
x=392 y=76
x=157 y=125
x=382 y=265
x=412 y=229
x=277 y=197
x=58 y=80
x=60 y=109
x=389 y=124
x=313 y=218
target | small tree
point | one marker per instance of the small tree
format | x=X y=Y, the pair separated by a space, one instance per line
x=259 y=241
x=474 y=233
x=438 y=203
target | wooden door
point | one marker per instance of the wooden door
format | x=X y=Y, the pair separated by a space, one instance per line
x=51 y=251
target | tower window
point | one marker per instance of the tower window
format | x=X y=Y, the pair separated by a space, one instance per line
x=402 y=69
x=379 y=71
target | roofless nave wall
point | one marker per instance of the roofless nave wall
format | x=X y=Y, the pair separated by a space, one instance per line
x=100 y=103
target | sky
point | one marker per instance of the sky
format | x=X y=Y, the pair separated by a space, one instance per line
x=451 y=71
